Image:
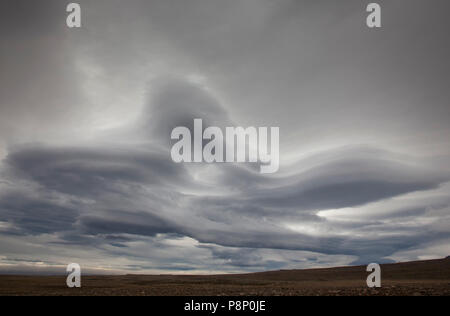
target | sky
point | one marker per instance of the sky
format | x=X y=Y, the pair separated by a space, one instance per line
x=86 y=115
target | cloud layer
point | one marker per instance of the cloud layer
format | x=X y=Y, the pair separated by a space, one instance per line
x=86 y=174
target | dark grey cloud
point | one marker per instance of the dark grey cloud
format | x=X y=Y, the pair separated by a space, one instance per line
x=36 y=216
x=350 y=181
x=125 y=223
x=89 y=171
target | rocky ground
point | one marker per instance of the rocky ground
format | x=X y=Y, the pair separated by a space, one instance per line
x=414 y=278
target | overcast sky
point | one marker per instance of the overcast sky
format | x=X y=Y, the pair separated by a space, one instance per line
x=86 y=115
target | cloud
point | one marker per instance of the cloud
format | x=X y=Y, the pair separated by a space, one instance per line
x=125 y=223
x=353 y=177
x=85 y=169
x=89 y=171
x=115 y=193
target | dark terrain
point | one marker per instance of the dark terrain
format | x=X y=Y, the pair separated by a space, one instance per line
x=419 y=278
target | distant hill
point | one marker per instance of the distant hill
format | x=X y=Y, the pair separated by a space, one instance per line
x=438 y=269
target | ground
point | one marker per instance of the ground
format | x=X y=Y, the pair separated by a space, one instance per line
x=414 y=278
